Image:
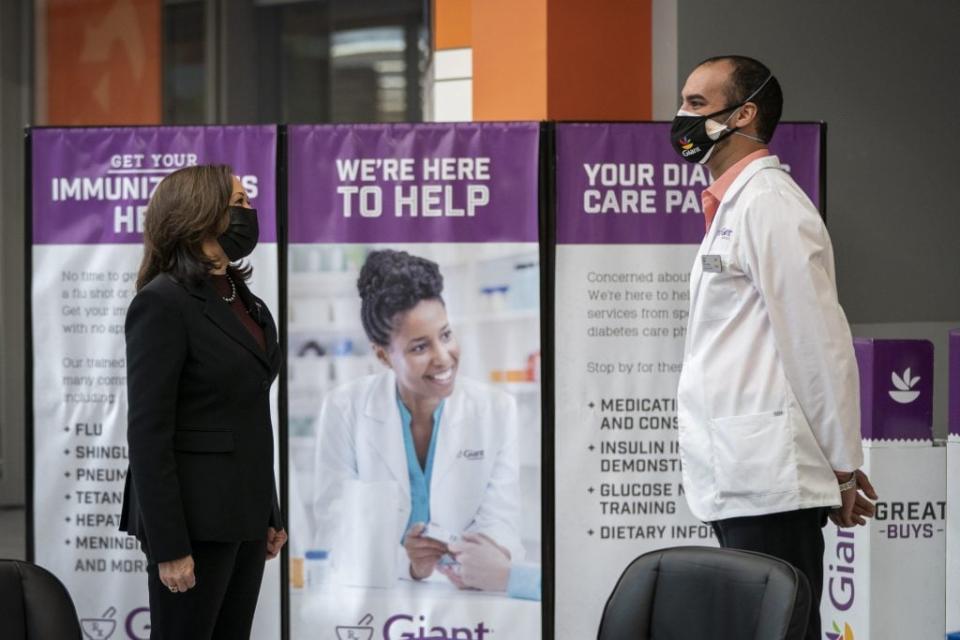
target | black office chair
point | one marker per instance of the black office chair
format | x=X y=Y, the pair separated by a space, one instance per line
x=687 y=593
x=34 y=605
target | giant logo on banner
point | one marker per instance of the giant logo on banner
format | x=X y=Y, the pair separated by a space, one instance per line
x=90 y=189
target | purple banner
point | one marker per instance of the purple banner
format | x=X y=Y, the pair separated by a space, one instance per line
x=91 y=185
x=896 y=388
x=470 y=182
x=624 y=184
x=954 y=383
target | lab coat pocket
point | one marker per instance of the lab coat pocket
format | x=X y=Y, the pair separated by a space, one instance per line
x=754 y=454
x=717 y=297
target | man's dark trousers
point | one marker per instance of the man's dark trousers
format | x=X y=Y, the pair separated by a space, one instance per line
x=794 y=536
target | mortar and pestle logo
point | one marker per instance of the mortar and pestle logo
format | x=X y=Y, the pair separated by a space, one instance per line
x=100 y=628
x=362 y=630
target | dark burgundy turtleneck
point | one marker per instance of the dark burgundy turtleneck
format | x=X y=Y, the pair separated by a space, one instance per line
x=222 y=286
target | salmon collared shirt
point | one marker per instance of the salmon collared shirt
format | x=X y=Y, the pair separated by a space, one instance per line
x=712 y=196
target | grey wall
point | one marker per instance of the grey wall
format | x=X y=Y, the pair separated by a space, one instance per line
x=14 y=109
x=882 y=74
x=664 y=49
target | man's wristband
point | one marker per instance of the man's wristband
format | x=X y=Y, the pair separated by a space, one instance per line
x=849 y=484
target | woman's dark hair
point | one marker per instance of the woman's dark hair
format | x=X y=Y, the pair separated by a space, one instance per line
x=393 y=282
x=187 y=207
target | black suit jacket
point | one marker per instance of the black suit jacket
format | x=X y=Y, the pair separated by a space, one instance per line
x=199 y=431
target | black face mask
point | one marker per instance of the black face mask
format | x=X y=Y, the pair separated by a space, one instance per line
x=241 y=236
x=694 y=137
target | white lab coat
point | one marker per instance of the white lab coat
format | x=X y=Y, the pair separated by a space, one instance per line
x=768 y=401
x=475 y=482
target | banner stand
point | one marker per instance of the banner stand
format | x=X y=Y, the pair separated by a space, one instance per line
x=953 y=490
x=459 y=203
x=28 y=343
x=628 y=227
x=87 y=194
x=548 y=258
x=875 y=574
x=799 y=147
x=283 y=398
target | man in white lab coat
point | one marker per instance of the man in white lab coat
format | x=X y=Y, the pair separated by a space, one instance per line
x=768 y=401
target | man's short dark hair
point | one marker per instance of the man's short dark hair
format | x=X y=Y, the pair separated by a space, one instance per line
x=746 y=76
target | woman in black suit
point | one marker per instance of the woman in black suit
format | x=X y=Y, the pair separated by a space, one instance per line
x=201 y=356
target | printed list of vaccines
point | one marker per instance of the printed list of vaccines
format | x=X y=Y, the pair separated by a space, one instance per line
x=80 y=410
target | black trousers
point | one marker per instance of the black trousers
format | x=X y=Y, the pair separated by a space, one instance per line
x=222 y=604
x=794 y=536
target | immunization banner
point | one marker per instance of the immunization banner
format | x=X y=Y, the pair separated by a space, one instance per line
x=628 y=225
x=90 y=188
x=464 y=197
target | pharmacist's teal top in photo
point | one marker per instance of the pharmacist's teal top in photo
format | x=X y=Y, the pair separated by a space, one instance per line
x=419 y=476
x=524 y=581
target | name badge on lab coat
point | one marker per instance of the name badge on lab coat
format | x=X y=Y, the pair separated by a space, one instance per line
x=712 y=263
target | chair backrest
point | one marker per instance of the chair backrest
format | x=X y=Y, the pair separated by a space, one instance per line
x=704 y=592
x=34 y=605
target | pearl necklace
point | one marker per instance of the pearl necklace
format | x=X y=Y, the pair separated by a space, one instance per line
x=233 y=291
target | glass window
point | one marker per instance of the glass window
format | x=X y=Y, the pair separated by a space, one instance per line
x=184 y=64
x=243 y=61
x=294 y=64
x=369 y=75
x=339 y=60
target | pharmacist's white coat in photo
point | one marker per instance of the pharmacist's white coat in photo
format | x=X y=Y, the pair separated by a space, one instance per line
x=768 y=399
x=475 y=481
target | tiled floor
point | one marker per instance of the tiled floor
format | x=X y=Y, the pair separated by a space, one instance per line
x=13 y=533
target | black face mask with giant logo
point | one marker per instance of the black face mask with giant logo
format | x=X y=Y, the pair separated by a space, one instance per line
x=694 y=137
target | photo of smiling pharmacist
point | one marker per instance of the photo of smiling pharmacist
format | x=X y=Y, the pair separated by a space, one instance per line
x=446 y=443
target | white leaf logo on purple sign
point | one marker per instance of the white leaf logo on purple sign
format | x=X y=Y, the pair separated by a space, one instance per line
x=904 y=393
